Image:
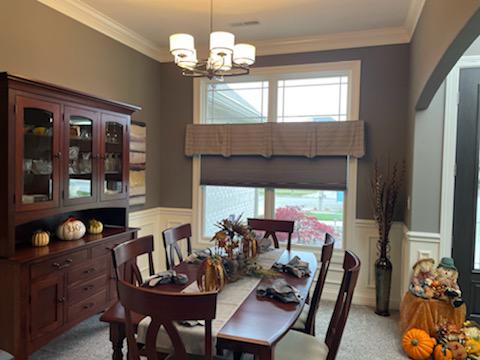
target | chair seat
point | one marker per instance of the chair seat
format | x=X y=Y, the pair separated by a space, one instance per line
x=302 y=319
x=299 y=345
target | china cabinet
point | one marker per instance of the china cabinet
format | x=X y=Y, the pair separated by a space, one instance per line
x=65 y=153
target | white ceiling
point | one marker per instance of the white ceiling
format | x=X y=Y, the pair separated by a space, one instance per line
x=282 y=23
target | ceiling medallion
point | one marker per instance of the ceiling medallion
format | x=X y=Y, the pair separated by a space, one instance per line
x=225 y=58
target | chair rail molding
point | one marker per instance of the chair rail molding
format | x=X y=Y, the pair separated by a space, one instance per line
x=450 y=151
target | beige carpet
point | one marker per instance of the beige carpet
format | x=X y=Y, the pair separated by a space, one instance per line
x=367 y=336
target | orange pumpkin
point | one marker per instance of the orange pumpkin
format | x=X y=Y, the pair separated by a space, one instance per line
x=418 y=344
x=441 y=352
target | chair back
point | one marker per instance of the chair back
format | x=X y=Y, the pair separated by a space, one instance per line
x=171 y=237
x=272 y=227
x=164 y=308
x=125 y=259
x=327 y=252
x=351 y=269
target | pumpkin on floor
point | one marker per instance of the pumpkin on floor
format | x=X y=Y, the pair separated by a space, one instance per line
x=418 y=344
x=40 y=238
x=71 y=229
x=458 y=350
x=441 y=352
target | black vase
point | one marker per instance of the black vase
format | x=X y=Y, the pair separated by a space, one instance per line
x=383 y=282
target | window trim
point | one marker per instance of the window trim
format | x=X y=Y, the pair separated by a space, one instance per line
x=351 y=69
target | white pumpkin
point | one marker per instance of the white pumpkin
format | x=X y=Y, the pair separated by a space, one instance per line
x=71 y=229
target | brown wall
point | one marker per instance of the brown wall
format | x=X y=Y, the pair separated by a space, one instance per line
x=40 y=43
x=383 y=106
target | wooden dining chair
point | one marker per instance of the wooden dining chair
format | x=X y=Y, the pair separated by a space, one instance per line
x=171 y=237
x=125 y=259
x=306 y=320
x=295 y=342
x=272 y=227
x=165 y=308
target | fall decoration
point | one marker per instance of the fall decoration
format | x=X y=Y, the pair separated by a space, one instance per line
x=472 y=346
x=233 y=232
x=211 y=275
x=418 y=344
x=441 y=352
x=71 y=229
x=40 y=238
x=385 y=190
x=458 y=350
x=95 y=227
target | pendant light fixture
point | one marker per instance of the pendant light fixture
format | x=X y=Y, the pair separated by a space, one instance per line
x=225 y=57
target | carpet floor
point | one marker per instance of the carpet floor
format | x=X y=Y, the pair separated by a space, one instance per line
x=366 y=336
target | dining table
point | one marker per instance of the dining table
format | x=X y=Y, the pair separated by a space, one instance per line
x=255 y=326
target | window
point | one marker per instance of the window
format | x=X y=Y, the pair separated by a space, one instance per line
x=279 y=95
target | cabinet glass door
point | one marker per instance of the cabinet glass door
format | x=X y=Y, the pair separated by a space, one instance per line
x=37 y=148
x=81 y=165
x=114 y=131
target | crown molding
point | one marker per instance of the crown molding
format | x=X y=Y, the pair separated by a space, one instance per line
x=96 y=20
x=413 y=15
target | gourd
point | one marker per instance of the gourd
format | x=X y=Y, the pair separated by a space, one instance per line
x=472 y=346
x=418 y=344
x=458 y=350
x=441 y=352
x=211 y=274
x=71 y=229
x=40 y=238
x=95 y=227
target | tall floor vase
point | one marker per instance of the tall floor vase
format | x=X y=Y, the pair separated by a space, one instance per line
x=383 y=282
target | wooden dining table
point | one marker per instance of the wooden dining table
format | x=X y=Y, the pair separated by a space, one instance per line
x=255 y=327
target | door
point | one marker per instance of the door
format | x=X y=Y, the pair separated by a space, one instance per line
x=80 y=164
x=466 y=227
x=38 y=155
x=47 y=301
x=114 y=157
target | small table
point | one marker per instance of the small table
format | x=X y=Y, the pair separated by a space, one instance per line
x=255 y=327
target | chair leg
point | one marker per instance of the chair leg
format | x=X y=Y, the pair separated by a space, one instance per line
x=237 y=355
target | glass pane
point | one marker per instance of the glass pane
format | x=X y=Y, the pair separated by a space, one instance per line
x=244 y=102
x=313 y=99
x=37 y=156
x=80 y=157
x=315 y=212
x=222 y=201
x=113 y=157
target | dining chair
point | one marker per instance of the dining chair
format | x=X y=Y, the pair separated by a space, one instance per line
x=164 y=309
x=272 y=227
x=171 y=237
x=306 y=320
x=125 y=259
x=295 y=342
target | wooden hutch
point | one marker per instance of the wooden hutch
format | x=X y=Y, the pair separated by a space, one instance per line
x=64 y=153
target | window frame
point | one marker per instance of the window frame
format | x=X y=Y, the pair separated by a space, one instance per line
x=350 y=69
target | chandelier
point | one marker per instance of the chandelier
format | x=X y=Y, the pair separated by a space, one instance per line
x=225 y=57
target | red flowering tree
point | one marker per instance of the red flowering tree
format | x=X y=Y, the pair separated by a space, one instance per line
x=307 y=227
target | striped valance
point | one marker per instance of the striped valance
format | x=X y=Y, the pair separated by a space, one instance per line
x=308 y=139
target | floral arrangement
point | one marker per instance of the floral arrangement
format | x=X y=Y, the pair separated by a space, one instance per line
x=385 y=191
x=233 y=233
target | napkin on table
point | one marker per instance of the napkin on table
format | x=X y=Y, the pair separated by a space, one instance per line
x=165 y=277
x=279 y=290
x=295 y=266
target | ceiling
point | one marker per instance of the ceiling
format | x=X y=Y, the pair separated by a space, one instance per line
x=283 y=25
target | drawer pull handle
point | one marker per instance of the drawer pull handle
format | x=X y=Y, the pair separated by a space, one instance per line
x=64 y=265
x=89 y=271
x=88 y=287
x=61 y=300
x=88 y=306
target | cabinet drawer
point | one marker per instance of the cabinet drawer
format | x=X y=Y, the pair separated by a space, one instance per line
x=88 y=288
x=88 y=270
x=87 y=307
x=58 y=263
x=105 y=249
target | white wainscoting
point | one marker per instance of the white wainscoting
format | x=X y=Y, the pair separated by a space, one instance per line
x=418 y=245
x=363 y=243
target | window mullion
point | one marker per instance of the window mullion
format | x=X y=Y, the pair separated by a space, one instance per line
x=269 y=203
x=272 y=100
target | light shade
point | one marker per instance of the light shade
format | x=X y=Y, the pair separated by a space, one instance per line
x=222 y=42
x=244 y=54
x=187 y=62
x=182 y=45
x=218 y=62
